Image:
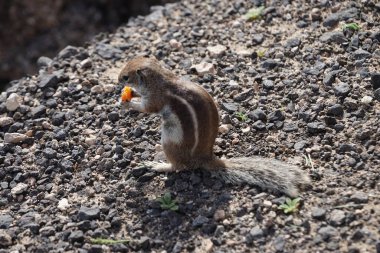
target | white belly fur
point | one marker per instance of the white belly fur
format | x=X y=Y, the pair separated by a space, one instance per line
x=171 y=127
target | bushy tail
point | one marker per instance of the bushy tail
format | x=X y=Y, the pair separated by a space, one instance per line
x=263 y=172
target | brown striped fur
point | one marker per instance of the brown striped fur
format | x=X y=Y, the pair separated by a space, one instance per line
x=190 y=126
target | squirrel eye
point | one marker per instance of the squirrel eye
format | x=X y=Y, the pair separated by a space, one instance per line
x=125 y=78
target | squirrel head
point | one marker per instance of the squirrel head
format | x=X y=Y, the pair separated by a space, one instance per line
x=144 y=74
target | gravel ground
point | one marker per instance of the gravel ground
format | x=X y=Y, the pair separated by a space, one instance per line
x=289 y=85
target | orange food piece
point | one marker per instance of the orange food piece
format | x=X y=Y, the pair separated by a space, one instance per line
x=126 y=94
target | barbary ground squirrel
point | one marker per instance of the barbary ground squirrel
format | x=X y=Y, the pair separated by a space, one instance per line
x=190 y=123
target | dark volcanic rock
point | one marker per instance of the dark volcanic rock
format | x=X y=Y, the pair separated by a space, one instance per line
x=38 y=111
x=335 y=110
x=337 y=37
x=107 y=51
x=361 y=54
x=290 y=127
x=76 y=236
x=276 y=116
x=334 y=18
x=316 y=127
x=199 y=221
x=5 y=239
x=257 y=114
x=342 y=89
x=328 y=233
x=58 y=118
x=258 y=38
x=113 y=116
x=318 y=213
x=244 y=95
x=295 y=42
x=259 y=125
x=85 y=171
x=230 y=107
x=375 y=80
x=359 y=197
x=68 y=52
x=48 y=80
x=270 y=64
x=337 y=217
x=377 y=94
x=88 y=213
x=5 y=221
x=329 y=77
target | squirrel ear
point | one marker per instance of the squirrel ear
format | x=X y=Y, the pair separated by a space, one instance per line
x=143 y=72
x=140 y=77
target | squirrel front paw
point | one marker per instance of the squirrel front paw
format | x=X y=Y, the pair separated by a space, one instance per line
x=123 y=106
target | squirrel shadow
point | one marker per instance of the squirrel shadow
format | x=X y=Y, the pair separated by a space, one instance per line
x=203 y=207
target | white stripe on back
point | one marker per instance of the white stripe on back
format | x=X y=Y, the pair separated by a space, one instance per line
x=194 y=118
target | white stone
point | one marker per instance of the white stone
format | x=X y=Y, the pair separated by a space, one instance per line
x=3 y=96
x=6 y=121
x=63 y=204
x=236 y=23
x=108 y=88
x=205 y=247
x=91 y=140
x=13 y=102
x=86 y=63
x=88 y=131
x=158 y=148
x=224 y=128
x=219 y=215
x=235 y=141
x=19 y=188
x=233 y=83
x=272 y=214
x=242 y=51
x=204 y=68
x=98 y=109
x=246 y=130
x=217 y=50
x=50 y=196
x=175 y=44
x=267 y=203
x=97 y=89
x=47 y=126
x=366 y=100
x=14 y=138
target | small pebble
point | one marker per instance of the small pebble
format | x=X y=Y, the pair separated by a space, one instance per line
x=13 y=102
x=19 y=189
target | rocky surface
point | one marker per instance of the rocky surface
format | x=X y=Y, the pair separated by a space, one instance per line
x=290 y=85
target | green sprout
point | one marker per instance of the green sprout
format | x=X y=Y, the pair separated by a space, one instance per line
x=241 y=116
x=308 y=161
x=254 y=13
x=107 y=241
x=167 y=203
x=351 y=26
x=290 y=205
x=261 y=53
